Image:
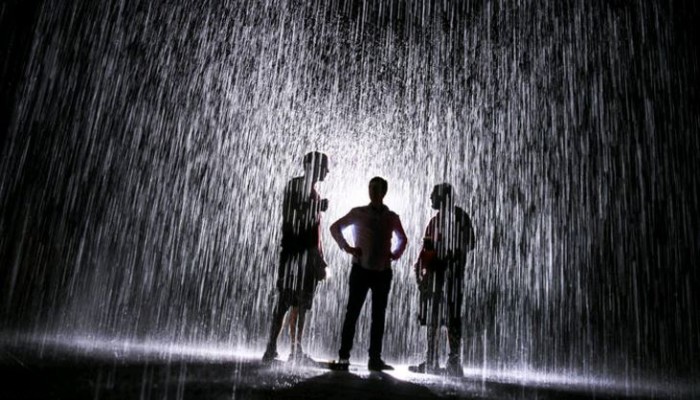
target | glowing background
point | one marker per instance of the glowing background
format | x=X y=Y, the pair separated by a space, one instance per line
x=150 y=143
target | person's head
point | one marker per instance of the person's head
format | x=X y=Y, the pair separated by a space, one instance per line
x=316 y=165
x=441 y=197
x=377 y=189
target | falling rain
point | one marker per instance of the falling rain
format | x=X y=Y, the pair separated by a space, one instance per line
x=147 y=145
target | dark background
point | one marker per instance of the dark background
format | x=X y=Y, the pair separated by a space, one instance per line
x=632 y=279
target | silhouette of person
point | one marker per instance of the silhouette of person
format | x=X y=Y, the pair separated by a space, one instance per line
x=439 y=270
x=373 y=226
x=301 y=264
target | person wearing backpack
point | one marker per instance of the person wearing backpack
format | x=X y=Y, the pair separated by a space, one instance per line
x=439 y=271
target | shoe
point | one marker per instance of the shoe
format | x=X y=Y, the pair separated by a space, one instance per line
x=418 y=369
x=454 y=367
x=379 y=365
x=343 y=364
x=301 y=358
x=270 y=355
x=423 y=368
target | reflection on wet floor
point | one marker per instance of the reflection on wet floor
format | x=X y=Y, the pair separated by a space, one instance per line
x=85 y=368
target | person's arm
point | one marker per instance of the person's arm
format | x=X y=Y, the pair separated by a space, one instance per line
x=296 y=206
x=401 y=237
x=469 y=237
x=310 y=209
x=417 y=266
x=428 y=234
x=466 y=233
x=289 y=205
x=316 y=204
x=337 y=233
x=302 y=206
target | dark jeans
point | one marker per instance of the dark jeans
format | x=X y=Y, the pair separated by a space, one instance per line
x=362 y=280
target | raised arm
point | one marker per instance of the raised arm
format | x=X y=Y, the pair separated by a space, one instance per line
x=401 y=236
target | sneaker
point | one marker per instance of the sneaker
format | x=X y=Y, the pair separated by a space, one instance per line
x=301 y=358
x=454 y=367
x=423 y=368
x=379 y=365
x=342 y=364
x=269 y=356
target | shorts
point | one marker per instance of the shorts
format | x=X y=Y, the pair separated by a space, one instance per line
x=292 y=298
x=440 y=302
x=297 y=278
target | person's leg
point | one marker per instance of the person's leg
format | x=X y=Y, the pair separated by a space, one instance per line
x=433 y=332
x=293 y=314
x=455 y=296
x=425 y=318
x=435 y=314
x=296 y=328
x=454 y=338
x=282 y=304
x=280 y=309
x=301 y=318
x=304 y=301
x=358 y=292
x=381 y=286
x=431 y=358
x=454 y=327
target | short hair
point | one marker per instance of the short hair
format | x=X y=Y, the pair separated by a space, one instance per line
x=445 y=189
x=315 y=158
x=382 y=183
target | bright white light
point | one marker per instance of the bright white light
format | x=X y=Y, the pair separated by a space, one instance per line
x=120 y=348
x=128 y=349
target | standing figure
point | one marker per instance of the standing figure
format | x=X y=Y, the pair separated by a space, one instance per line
x=440 y=277
x=301 y=264
x=373 y=227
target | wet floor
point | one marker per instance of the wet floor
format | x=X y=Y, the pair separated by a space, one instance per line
x=54 y=370
x=145 y=147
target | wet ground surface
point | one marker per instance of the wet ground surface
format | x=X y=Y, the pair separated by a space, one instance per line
x=61 y=373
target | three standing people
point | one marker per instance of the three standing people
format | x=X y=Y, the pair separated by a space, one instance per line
x=439 y=270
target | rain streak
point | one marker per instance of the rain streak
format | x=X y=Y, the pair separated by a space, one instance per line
x=150 y=143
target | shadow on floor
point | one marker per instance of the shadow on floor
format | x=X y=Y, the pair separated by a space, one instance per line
x=80 y=376
x=346 y=385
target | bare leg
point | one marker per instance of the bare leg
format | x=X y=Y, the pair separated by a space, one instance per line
x=433 y=332
x=297 y=317
x=293 y=319
x=431 y=362
x=301 y=318
x=454 y=338
x=275 y=329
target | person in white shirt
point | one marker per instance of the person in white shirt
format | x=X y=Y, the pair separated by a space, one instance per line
x=374 y=225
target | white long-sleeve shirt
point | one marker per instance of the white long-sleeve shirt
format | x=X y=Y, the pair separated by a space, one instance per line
x=373 y=229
